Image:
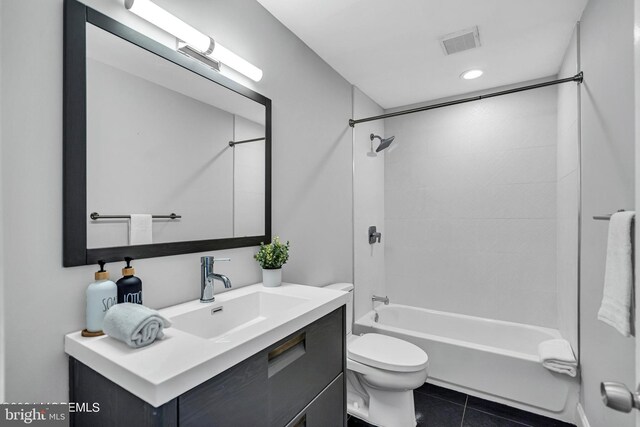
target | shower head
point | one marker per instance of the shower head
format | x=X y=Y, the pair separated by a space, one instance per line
x=384 y=143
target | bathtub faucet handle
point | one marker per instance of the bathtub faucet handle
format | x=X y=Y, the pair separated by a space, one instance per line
x=384 y=299
x=374 y=235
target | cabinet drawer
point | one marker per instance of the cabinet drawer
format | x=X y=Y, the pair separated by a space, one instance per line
x=302 y=365
x=326 y=410
x=235 y=398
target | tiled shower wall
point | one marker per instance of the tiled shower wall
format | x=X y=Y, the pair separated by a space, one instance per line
x=470 y=208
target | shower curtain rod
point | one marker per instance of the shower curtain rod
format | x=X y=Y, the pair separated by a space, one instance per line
x=577 y=78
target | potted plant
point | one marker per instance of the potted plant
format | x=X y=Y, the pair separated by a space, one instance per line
x=271 y=258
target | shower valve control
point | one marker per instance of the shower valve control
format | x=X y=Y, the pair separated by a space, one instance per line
x=374 y=235
x=617 y=396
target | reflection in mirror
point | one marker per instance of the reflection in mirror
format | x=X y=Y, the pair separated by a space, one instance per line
x=248 y=178
x=158 y=142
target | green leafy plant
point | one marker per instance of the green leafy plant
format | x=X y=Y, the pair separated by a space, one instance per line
x=273 y=255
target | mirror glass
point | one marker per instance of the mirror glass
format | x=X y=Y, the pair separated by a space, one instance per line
x=158 y=143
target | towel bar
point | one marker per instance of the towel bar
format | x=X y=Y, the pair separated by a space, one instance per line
x=606 y=217
x=95 y=216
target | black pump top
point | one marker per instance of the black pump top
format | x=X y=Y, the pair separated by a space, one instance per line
x=102 y=274
x=128 y=270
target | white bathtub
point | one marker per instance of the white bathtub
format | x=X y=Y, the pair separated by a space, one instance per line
x=491 y=359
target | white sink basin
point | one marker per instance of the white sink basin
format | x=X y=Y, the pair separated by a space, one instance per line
x=221 y=319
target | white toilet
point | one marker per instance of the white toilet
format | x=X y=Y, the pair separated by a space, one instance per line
x=382 y=373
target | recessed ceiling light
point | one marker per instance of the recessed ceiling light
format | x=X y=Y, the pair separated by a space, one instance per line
x=471 y=74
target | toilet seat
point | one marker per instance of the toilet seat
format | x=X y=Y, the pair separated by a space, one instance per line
x=388 y=353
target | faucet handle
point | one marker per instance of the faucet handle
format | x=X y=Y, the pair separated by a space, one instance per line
x=209 y=259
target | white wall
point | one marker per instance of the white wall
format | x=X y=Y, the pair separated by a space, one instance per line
x=470 y=208
x=368 y=205
x=567 y=199
x=607 y=103
x=312 y=164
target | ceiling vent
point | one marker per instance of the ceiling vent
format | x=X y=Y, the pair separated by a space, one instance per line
x=460 y=40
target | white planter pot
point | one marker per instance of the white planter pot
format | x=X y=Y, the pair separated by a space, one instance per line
x=272 y=277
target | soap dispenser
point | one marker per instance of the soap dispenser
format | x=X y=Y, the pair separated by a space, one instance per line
x=101 y=295
x=129 y=286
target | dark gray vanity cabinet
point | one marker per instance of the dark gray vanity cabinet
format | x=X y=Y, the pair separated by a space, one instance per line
x=296 y=382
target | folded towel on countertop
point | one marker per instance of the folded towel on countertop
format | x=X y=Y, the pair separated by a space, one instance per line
x=616 y=307
x=556 y=355
x=134 y=324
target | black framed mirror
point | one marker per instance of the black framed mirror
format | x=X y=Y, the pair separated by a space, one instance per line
x=150 y=132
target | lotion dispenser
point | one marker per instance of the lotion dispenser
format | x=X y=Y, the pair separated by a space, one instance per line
x=101 y=295
x=129 y=286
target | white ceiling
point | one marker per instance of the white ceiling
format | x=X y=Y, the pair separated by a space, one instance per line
x=390 y=49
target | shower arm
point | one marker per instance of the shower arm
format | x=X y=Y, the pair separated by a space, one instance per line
x=372 y=137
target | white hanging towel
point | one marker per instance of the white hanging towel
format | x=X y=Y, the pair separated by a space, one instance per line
x=140 y=229
x=615 y=309
x=556 y=355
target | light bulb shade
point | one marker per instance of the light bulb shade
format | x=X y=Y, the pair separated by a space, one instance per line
x=232 y=60
x=159 y=17
x=201 y=42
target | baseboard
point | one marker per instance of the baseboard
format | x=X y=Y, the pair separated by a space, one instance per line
x=581 y=417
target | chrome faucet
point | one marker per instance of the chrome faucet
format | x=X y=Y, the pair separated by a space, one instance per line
x=376 y=298
x=207 y=276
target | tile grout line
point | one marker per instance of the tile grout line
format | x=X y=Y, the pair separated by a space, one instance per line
x=464 y=410
x=522 y=423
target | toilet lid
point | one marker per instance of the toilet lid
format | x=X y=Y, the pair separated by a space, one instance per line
x=385 y=352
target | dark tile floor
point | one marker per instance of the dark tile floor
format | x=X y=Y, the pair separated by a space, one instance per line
x=441 y=407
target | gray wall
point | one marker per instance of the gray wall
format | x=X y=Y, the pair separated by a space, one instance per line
x=470 y=208
x=567 y=199
x=311 y=183
x=608 y=185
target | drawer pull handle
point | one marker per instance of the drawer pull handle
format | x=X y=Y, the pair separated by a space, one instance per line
x=286 y=353
x=302 y=422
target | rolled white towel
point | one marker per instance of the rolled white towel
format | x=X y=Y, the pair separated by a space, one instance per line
x=556 y=355
x=134 y=324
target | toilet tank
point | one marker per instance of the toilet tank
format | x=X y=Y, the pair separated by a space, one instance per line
x=347 y=287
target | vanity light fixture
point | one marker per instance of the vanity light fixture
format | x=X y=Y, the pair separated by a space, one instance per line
x=471 y=74
x=197 y=42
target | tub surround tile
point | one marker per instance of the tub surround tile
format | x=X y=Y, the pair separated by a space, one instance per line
x=477 y=203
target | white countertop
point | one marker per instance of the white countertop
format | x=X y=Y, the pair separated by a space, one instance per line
x=169 y=367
